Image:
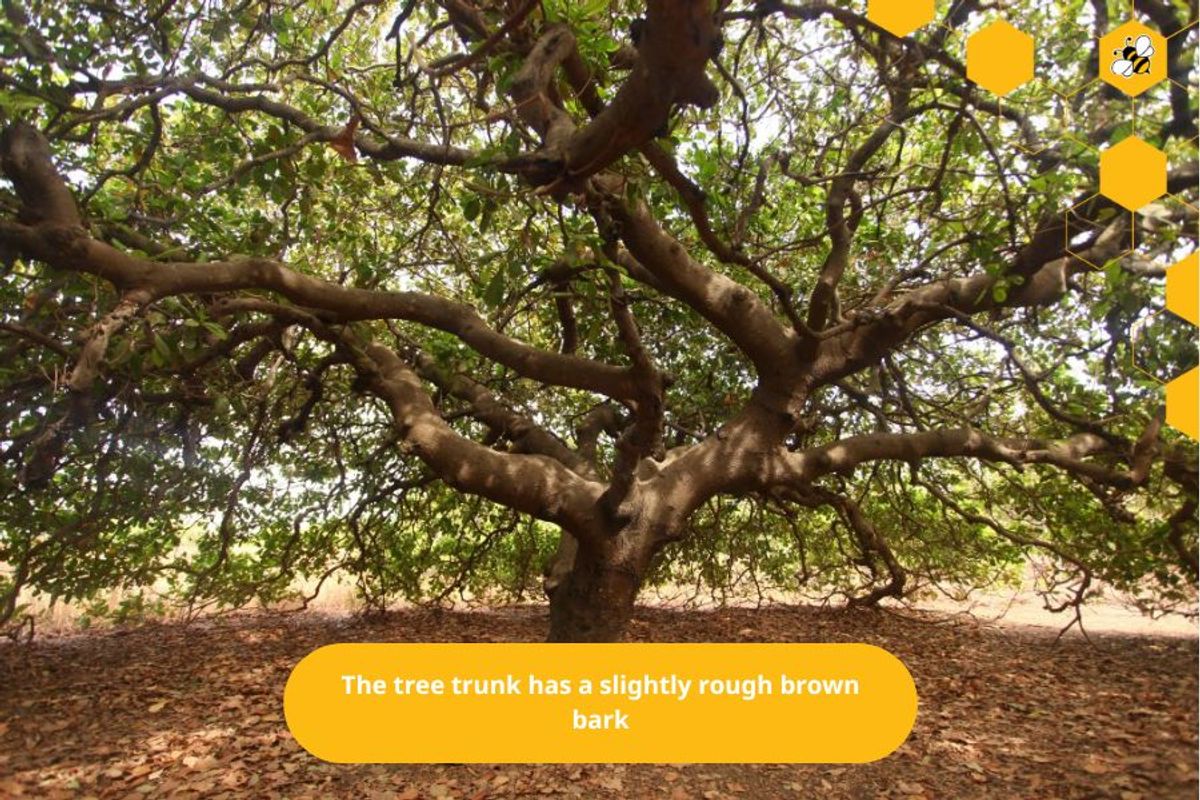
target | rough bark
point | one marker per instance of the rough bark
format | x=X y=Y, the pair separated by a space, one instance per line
x=618 y=514
x=595 y=600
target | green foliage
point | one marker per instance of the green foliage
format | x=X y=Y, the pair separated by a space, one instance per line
x=221 y=482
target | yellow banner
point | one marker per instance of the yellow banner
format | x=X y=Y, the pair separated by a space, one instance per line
x=567 y=703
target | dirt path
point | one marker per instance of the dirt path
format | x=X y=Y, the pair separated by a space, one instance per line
x=169 y=711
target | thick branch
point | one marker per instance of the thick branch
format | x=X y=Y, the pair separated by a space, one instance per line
x=534 y=484
x=734 y=309
x=72 y=249
x=803 y=467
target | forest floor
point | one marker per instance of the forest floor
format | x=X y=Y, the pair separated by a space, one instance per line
x=194 y=711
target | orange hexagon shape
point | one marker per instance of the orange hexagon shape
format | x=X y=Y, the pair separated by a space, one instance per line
x=1133 y=58
x=1183 y=289
x=1000 y=57
x=1183 y=403
x=900 y=17
x=1133 y=173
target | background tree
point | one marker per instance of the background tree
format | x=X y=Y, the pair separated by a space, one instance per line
x=754 y=292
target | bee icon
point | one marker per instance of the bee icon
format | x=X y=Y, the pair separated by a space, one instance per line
x=1134 y=58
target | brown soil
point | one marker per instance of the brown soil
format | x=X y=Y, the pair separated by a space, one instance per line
x=195 y=711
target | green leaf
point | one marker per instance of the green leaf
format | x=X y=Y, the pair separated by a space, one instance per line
x=493 y=294
x=471 y=206
x=162 y=349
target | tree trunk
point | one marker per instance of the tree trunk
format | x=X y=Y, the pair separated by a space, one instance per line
x=595 y=601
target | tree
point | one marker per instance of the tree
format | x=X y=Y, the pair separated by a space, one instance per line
x=299 y=288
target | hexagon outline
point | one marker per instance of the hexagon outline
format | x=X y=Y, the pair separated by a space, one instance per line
x=1135 y=333
x=1067 y=236
x=1015 y=140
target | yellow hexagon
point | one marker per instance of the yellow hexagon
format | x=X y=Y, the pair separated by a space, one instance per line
x=1000 y=58
x=1133 y=58
x=1183 y=289
x=900 y=17
x=1133 y=173
x=1183 y=403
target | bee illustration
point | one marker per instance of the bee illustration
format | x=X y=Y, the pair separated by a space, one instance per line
x=1134 y=58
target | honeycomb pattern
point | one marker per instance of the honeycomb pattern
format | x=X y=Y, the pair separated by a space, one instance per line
x=1000 y=58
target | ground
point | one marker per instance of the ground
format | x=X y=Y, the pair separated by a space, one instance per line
x=195 y=711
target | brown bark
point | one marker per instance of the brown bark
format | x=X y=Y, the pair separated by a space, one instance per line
x=679 y=39
x=619 y=516
x=594 y=602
